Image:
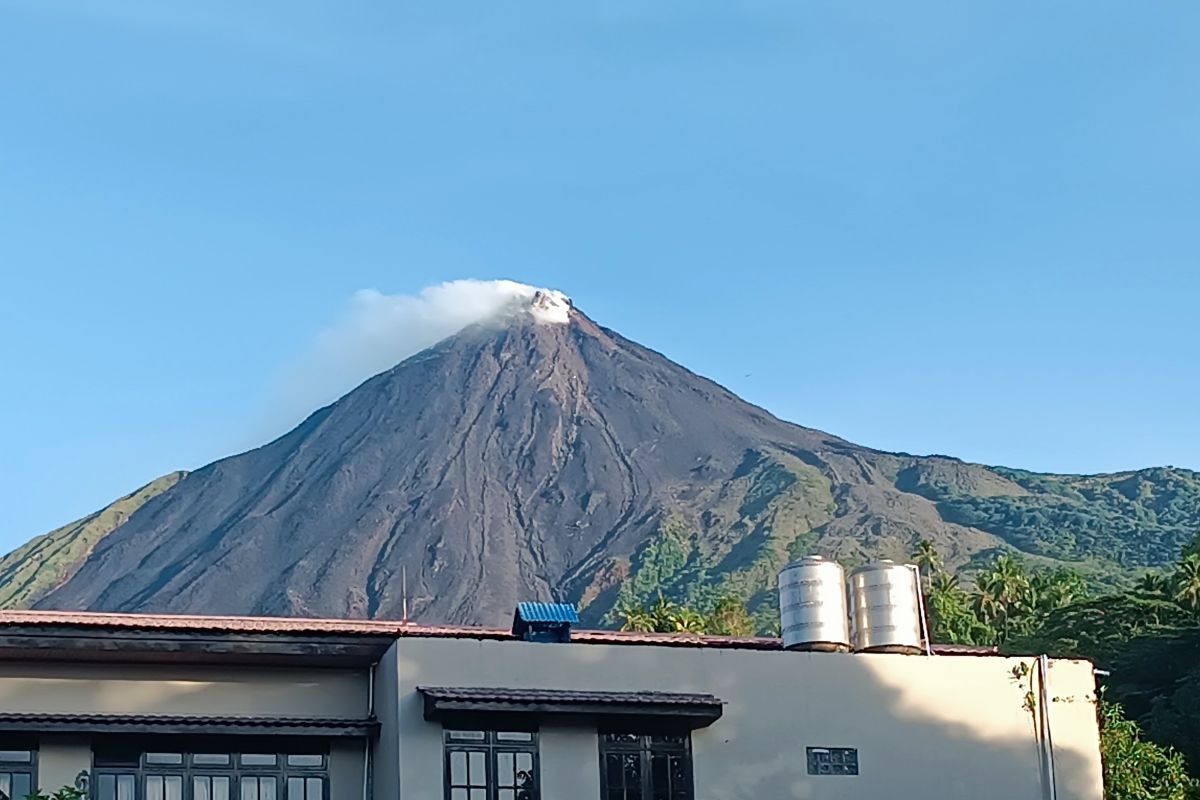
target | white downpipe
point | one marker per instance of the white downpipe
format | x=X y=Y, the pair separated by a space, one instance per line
x=1044 y=719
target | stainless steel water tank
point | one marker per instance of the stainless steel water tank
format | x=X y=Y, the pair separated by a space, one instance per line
x=812 y=605
x=885 y=612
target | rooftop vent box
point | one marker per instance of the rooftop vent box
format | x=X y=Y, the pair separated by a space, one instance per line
x=544 y=622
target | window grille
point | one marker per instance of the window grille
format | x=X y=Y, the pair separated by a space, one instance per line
x=636 y=766
x=124 y=772
x=18 y=768
x=491 y=765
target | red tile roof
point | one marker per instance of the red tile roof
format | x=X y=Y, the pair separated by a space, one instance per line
x=183 y=622
x=301 y=626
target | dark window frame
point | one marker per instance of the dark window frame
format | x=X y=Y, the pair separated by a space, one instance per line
x=491 y=746
x=646 y=745
x=188 y=770
x=20 y=767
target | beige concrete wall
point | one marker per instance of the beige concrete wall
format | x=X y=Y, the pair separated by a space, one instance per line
x=347 y=760
x=177 y=690
x=385 y=763
x=570 y=762
x=60 y=759
x=946 y=727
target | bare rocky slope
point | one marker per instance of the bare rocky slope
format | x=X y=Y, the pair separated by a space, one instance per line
x=523 y=461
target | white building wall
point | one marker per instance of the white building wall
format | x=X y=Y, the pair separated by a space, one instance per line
x=60 y=759
x=385 y=763
x=943 y=726
x=210 y=691
x=347 y=762
x=570 y=762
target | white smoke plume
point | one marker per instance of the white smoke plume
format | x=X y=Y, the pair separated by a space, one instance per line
x=379 y=330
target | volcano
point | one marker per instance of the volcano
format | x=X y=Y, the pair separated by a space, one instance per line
x=540 y=456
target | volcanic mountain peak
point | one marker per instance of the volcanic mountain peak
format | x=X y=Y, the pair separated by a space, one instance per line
x=535 y=455
x=550 y=306
x=516 y=300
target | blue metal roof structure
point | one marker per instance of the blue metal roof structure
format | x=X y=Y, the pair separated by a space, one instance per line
x=548 y=612
x=544 y=622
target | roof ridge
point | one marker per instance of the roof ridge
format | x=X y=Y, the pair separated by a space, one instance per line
x=394 y=628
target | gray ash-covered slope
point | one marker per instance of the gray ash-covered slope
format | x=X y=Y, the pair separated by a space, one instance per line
x=520 y=461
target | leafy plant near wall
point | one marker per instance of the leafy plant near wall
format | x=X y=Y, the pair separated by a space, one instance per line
x=65 y=793
x=1135 y=769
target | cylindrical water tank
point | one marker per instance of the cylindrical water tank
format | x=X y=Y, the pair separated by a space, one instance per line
x=885 y=612
x=812 y=605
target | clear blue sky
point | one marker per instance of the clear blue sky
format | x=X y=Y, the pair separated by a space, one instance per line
x=963 y=228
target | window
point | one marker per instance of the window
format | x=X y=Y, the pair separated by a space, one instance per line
x=491 y=765
x=125 y=771
x=16 y=772
x=636 y=766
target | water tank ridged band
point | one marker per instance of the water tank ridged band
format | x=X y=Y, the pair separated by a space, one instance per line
x=812 y=605
x=885 y=612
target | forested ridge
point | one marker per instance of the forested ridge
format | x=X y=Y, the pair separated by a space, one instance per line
x=1134 y=519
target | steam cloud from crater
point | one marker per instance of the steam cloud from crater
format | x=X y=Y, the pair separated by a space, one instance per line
x=377 y=331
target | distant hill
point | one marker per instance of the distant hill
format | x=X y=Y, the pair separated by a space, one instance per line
x=547 y=460
x=1130 y=519
x=40 y=565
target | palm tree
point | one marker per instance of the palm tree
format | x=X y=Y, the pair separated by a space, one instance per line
x=1053 y=589
x=634 y=617
x=1154 y=583
x=927 y=558
x=988 y=604
x=729 y=617
x=944 y=583
x=1005 y=594
x=1192 y=548
x=1186 y=582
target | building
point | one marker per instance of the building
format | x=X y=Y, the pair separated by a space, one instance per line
x=139 y=707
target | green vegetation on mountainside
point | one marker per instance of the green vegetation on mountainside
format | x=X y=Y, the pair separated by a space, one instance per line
x=46 y=561
x=1131 y=519
x=753 y=525
x=1106 y=528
